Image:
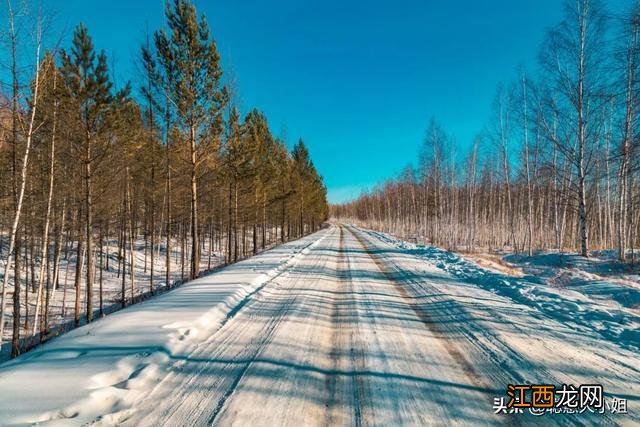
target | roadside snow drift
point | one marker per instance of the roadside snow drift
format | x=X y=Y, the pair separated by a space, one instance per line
x=107 y=365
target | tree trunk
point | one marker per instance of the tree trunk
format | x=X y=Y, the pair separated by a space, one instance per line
x=195 y=247
x=45 y=234
x=89 y=225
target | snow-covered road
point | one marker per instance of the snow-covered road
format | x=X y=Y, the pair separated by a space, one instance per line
x=344 y=327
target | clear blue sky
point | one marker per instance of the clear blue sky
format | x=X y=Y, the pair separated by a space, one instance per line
x=358 y=80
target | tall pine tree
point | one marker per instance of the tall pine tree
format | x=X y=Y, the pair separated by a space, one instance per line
x=188 y=59
x=87 y=82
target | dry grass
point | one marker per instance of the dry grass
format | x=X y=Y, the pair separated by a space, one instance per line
x=493 y=262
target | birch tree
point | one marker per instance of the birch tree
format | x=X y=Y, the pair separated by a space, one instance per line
x=573 y=57
x=30 y=130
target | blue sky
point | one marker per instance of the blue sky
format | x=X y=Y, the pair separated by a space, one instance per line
x=357 y=80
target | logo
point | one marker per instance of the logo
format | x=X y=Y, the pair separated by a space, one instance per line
x=540 y=399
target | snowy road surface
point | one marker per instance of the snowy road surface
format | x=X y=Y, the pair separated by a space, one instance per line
x=343 y=327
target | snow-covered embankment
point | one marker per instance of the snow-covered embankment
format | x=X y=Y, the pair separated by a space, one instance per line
x=108 y=365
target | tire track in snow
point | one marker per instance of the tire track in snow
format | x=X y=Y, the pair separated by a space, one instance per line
x=189 y=402
x=227 y=411
x=191 y=397
x=474 y=377
x=266 y=339
x=331 y=381
x=357 y=346
x=503 y=361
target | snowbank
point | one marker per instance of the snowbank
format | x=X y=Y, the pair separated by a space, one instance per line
x=600 y=277
x=580 y=306
x=104 y=367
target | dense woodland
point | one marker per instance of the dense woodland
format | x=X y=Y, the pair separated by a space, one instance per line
x=163 y=166
x=557 y=165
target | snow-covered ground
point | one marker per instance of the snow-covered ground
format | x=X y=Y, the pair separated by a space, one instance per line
x=61 y=311
x=104 y=367
x=601 y=277
x=563 y=286
x=346 y=326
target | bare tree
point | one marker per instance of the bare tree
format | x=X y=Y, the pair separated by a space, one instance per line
x=30 y=129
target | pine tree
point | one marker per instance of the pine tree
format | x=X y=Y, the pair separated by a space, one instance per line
x=303 y=172
x=88 y=85
x=189 y=60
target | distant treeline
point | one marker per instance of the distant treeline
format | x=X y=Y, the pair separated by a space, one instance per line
x=557 y=165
